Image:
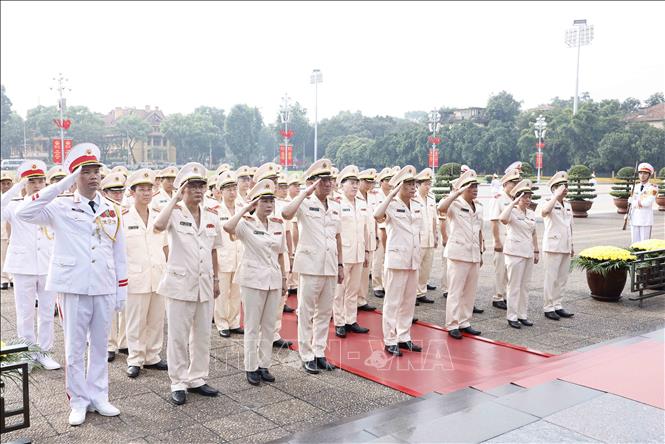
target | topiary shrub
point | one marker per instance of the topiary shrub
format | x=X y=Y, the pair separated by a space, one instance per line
x=579 y=185
x=446 y=174
x=661 y=186
x=528 y=170
x=623 y=183
x=488 y=178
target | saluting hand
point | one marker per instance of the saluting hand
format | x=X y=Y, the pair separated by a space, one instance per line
x=179 y=193
x=251 y=206
x=310 y=189
x=559 y=191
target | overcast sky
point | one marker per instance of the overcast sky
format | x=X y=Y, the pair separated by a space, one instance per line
x=377 y=57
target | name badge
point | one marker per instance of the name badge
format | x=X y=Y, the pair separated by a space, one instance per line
x=417 y=211
x=186 y=224
x=78 y=210
x=346 y=209
x=313 y=209
x=466 y=210
x=133 y=227
x=401 y=210
x=363 y=209
x=223 y=218
x=558 y=208
x=259 y=232
x=335 y=213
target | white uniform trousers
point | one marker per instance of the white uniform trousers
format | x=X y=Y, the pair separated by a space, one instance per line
x=399 y=305
x=144 y=314
x=345 y=304
x=444 y=269
x=315 y=301
x=377 y=267
x=188 y=330
x=280 y=310
x=557 y=268
x=6 y=277
x=462 y=285
x=86 y=319
x=292 y=281
x=27 y=288
x=364 y=280
x=519 y=274
x=227 y=304
x=260 y=309
x=427 y=256
x=640 y=233
x=117 y=332
x=500 y=277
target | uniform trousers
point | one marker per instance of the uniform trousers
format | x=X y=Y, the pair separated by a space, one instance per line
x=519 y=275
x=345 y=304
x=364 y=280
x=280 y=309
x=377 y=267
x=640 y=233
x=117 y=332
x=399 y=305
x=462 y=285
x=427 y=256
x=227 y=304
x=500 y=277
x=6 y=277
x=444 y=269
x=315 y=301
x=188 y=330
x=27 y=288
x=86 y=319
x=260 y=309
x=557 y=268
x=144 y=313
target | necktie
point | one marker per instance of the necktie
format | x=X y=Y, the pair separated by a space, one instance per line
x=641 y=188
x=92 y=205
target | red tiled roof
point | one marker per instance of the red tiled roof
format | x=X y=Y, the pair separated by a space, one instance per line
x=653 y=113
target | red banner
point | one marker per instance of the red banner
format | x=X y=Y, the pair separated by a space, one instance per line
x=433 y=158
x=540 y=145
x=539 y=160
x=289 y=155
x=282 y=155
x=57 y=150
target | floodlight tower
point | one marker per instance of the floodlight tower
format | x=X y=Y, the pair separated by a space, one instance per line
x=579 y=35
x=315 y=78
x=540 y=130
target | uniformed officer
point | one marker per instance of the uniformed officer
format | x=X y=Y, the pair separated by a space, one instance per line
x=28 y=256
x=252 y=172
x=558 y=248
x=353 y=212
x=319 y=261
x=244 y=175
x=89 y=268
x=377 y=267
x=521 y=252
x=264 y=241
x=369 y=195
x=6 y=182
x=55 y=174
x=163 y=197
x=497 y=205
x=641 y=204
x=227 y=305
x=190 y=283
x=429 y=237
x=282 y=199
x=113 y=188
x=146 y=259
x=463 y=252
x=213 y=195
x=402 y=215
x=443 y=231
x=294 y=182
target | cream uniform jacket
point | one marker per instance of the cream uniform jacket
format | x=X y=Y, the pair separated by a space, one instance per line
x=229 y=255
x=146 y=262
x=429 y=217
x=380 y=197
x=403 y=227
x=160 y=199
x=353 y=229
x=189 y=271
x=259 y=267
x=464 y=231
x=519 y=233
x=371 y=202
x=497 y=206
x=646 y=196
x=558 y=233
x=316 y=253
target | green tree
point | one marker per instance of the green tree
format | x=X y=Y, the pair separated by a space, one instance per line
x=631 y=104
x=218 y=119
x=39 y=121
x=502 y=107
x=133 y=129
x=655 y=99
x=11 y=135
x=6 y=106
x=243 y=133
x=303 y=133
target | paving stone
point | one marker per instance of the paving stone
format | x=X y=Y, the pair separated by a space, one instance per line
x=291 y=411
x=202 y=409
x=240 y=425
x=192 y=433
x=256 y=397
x=548 y=398
x=333 y=399
x=40 y=430
x=261 y=437
x=540 y=432
x=310 y=423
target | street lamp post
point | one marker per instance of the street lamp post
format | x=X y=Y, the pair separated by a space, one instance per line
x=579 y=35
x=61 y=104
x=285 y=117
x=316 y=77
x=541 y=129
x=434 y=124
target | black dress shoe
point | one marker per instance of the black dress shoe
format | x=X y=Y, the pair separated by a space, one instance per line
x=417 y=304
x=355 y=328
x=237 y=331
x=500 y=304
x=393 y=350
x=179 y=397
x=445 y=294
x=110 y=356
x=431 y=287
x=226 y=333
x=379 y=293
x=266 y=375
x=414 y=320
x=204 y=390
x=281 y=343
x=254 y=377
x=11 y=284
x=133 y=371
x=36 y=303
x=323 y=364
x=425 y=300
x=366 y=307
x=478 y=310
x=563 y=313
x=4 y=286
x=340 y=332
x=161 y=365
x=526 y=322
x=293 y=291
x=470 y=330
x=552 y=315
x=287 y=309
x=311 y=367
x=514 y=324
x=455 y=333
x=124 y=351
x=408 y=345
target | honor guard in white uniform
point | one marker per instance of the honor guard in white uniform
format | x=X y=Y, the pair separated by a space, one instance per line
x=55 y=174
x=244 y=175
x=497 y=205
x=429 y=237
x=463 y=252
x=558 y=247
x=146 y=264
x=264 y=241
x=89 y=268
x=377 y=267
x=294 y=182
x=28 y=256
x=227 y=305
x=282 y=199
x=353 y=212
x=163 y=197
x=443 y=231
x=6 y=182
x=641 y=204
x=191 y=282
x=212 y=194
x=369 y=195
x=252 y=172
x=319 y=261
x=402 y=215
x=521 y=252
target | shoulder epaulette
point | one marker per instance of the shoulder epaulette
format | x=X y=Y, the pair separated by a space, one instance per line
x=155 y=194
x=125 y=211
x=17 y=199
x=66 y=195
x=212 y=210
x=277 y=219
x=156 y=210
